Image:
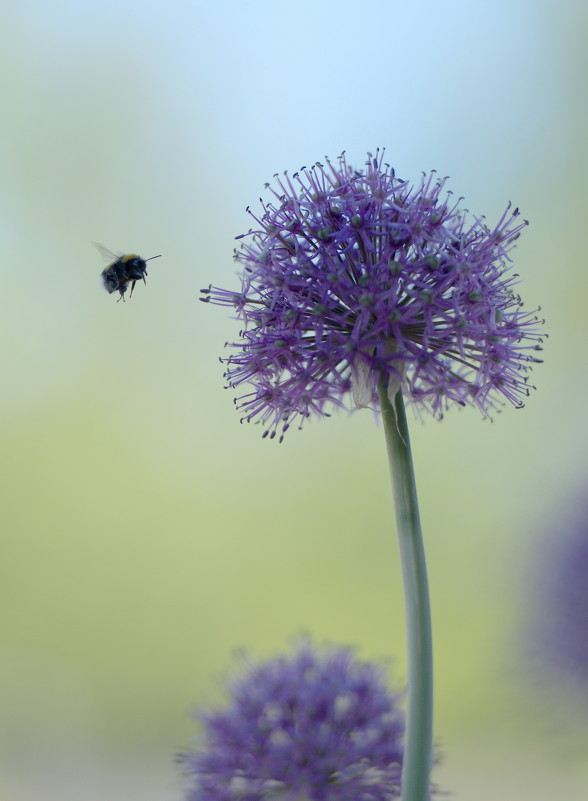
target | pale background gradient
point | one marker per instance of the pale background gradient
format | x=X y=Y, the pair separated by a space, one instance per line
x=145 y=534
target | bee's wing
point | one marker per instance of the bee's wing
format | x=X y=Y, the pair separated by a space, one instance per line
x=107 y=255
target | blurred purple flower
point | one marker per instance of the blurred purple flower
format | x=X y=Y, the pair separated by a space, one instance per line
x=317 y=725
x=351 y=275
x=560 y=601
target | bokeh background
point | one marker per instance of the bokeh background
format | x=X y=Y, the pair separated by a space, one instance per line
x=145 y=534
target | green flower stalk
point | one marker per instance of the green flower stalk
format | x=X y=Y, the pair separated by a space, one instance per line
x=358 y=286
x=419 y=723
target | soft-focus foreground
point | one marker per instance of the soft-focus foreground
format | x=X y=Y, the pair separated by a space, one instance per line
x=315 y=724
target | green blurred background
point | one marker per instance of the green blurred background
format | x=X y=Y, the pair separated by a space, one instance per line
x=145 y=534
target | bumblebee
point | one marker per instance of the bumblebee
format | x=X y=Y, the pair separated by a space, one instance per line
x=126 y=269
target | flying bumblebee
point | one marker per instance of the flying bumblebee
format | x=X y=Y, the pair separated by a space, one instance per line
x=124 y=270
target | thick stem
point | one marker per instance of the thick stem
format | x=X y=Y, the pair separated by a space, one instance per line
x=418 y=740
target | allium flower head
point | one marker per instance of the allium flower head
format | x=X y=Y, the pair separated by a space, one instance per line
x=316 y=725
x=351 y=276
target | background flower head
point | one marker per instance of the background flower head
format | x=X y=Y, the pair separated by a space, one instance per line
x=317 y=724
x=558 y=602
x=353 y=275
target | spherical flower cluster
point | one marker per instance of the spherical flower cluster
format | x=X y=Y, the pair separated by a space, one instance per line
x=316 y=725
x=352 y=277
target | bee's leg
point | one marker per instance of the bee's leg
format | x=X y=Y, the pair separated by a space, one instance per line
x=132 y=287
x=122 y=291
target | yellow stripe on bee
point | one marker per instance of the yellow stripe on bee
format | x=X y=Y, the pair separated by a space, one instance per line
x=128 y=257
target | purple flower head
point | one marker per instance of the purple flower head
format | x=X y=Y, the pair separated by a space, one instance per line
x=316 y=725
x=354 y=276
